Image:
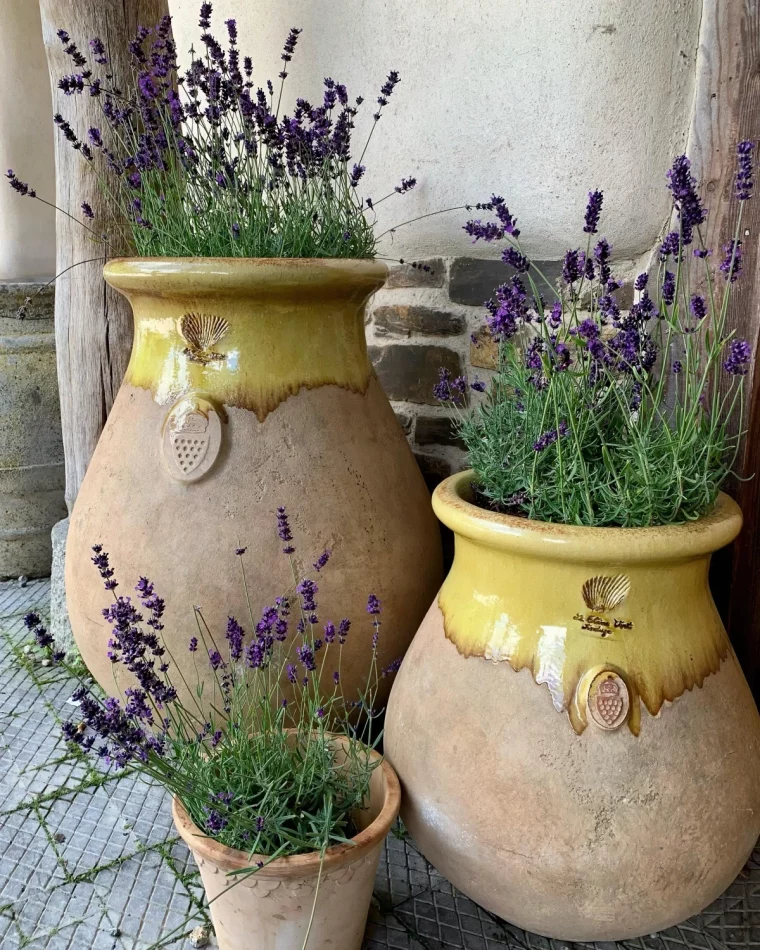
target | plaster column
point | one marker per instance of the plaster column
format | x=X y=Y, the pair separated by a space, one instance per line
x=27 y=227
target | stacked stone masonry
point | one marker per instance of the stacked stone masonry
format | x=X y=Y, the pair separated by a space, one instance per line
x=425 y=319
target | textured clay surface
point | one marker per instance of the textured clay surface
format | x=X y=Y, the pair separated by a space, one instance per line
x=340 y=463
x=599 y=836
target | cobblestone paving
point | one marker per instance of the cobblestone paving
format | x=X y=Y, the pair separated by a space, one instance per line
x=89 y=859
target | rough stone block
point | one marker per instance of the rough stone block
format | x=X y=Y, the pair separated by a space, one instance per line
x=405 y=421
x=433 y=469
x=472 y=280
x=60 y=626
x=408 y=319
x=484 y=352
x=409 y=373
x=437 y=430
x=404 y=275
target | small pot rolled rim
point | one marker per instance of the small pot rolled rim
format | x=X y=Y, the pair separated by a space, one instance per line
x=297 y=865
x=667 y=543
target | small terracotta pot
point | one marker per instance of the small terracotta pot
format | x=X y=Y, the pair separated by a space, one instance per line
x=578 y=748
x=270 y=908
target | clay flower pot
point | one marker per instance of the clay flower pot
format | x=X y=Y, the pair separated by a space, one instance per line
x=249 y=387
x=271 y=908
x=577 y=745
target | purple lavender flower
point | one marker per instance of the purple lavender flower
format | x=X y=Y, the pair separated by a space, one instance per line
x=671 y=246
x=234 y=635
x=683 y=187
x=20 y=186
x=698 y=307
x=214 y=821
x=343 y=627
x=283 y=531
x=571 y=267
x=392 y=667
x=641 y=281
x=732 y=261
x=744 y=180
x=515 y=259
x=550 y=437
x=738 y=358
x=289 y=49
x=308 y=591
x=677 y=367
x=87 y=210
x=602 y=256
x=668 y=287
x=204 y=21
x=356 y=175
x=406 y=185
x=306 y=656
x=322 y=560
x=336 y=678
x=98 y=51
x=593 y=211
x=508 y=310
x=232 y=32
x=193 y=645
x=373 y=605
x=215 y=660
x=701 y=252
x=478 y=385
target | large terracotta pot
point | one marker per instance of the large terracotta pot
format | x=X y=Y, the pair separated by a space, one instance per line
x=249 y=387
x=578 y=748
x=270 y=909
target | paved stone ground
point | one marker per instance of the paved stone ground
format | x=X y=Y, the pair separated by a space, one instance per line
x=89 y=859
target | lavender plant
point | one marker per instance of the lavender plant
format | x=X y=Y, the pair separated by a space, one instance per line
x=601 y=417
x=202 y=163
x=255 y=764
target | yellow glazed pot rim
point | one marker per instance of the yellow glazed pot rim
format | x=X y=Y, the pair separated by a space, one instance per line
x=169 y=275
x=522 y=536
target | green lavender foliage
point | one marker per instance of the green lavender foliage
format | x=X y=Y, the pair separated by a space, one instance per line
x=600 y=418
x=202 y=162
x=277 y=760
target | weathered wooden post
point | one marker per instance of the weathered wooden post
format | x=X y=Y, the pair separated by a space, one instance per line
x=93 y=324
x=727 y=110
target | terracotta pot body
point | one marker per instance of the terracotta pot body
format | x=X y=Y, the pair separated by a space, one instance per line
x=249 y=387
x=578 y=748
x=270 y=909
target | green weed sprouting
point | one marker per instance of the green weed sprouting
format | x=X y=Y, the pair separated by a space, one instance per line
x=600 y=417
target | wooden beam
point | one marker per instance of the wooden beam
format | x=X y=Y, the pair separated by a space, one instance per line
x=93 y=323
x=727 y=110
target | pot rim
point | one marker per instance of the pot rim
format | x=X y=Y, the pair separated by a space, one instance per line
x=230 y=274
x=691 y=539
x=297 y=865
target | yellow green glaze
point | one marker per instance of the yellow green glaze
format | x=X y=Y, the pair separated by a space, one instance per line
x=515 y=594
x=268 y=309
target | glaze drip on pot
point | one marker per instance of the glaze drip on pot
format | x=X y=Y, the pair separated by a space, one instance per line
x=573 y=604
x=237 y=329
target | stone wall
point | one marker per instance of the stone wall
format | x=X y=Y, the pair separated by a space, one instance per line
x=422 y=320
